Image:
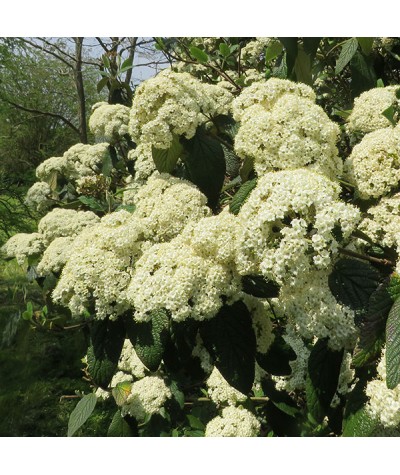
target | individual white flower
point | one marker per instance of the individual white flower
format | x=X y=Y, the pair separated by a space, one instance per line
x=233 y=422
x=366 y=115
x=109 y=122
x=374 y=164
x=147 y=397
x=23 y=245
x=221 y=392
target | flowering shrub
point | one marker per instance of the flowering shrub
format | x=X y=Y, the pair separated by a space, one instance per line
x=225 y=254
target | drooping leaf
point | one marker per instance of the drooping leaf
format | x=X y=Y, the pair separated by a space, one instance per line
x=198 y=54
x=102 y=83
x=259 y=286
x=107 y=339
x=302 y=67
x=393 y=346
x=291 y=47
x=205 y=164
x=273 y=50
x=322 y=380
x=149 y=338
x=165 y=159
x=366 y=44
x=352 y=282
x=126 y=65
x=276 y=360
x=363 y=76
x=230 y=339
x=81 y=413
x=119 y=427
x=348 y=50
x=241 y=195
x=372 y=326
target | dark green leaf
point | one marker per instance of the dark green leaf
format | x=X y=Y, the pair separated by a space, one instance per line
x=352 y=282
x=81 y=413
x=230 y=339
x=372 y=328
x=302 y=67
x=393 y=346
x=166 y=159
x=150 y=338
x=260 y=287
x=102 y=83
x=107 y=339
x=273 y=51
x=311 y=46
x=129 y=208
x=281 y=70
x=92 y=203
x=205 y=164
x=195 y=423
x=389 y=114
x=397 y=93
x=359 y=424
x=291 y=47
x=322 y=380
x=363 y=76
x=348 y=50
x=224 y=50
x=394 y=286
x=241 y=195
x=107 y=165
x=198 y=54
x=119 y=427
x=276 y=360
x=126 y=65
x=366 y=44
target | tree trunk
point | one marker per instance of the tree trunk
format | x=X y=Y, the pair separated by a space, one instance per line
x=80 y=90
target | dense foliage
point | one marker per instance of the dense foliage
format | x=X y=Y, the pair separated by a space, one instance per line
x=228 y=243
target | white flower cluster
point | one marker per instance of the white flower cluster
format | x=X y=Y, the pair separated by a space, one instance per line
x=39 y=196
x=261 y=321
x=382 y=223
x=147 y=397
x=23 y=245
x=78 y=161
x=55 y=256
x=174 y=103
x=287 y=225
x=384 y=403
x=109 y=122
x=221 y=392
x=129 y=361
x=233 y=422
x=315 y=312
x=253 y=50
x=374 y=164
x=366 y=115
x=65 y=223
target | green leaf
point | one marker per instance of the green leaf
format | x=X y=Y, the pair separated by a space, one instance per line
x=150 y=338
x=107 y=339
x=302 y=67
x=394 y=286
x=119 y=427
x=389 y=114
x=102 y=83
x=366 y=44
x=246 y=169
x=393 y=346
x=322 y=380
x=352 y=282
x=28 y=314
x=259 y=286
x=126 y=65
x=121 y=392
x=166 y=159
x=397 y=93
x=81 y=413
x=205 y=164
x=273 y=51
x=198 y=54
x=372 y=328
x=129 y=208
x=348 y=50
x=107 y=165
x=276 y=360
x=92 y=203
x=232 y=162
x=224 y=49
x=363 y=76
x=106 y=61
x=291 y=48
x=195 y=423
x=311 y=46
x=230 y=339
x=380 y=83
x=281 y=70
x=241 y=195
x=359 y=424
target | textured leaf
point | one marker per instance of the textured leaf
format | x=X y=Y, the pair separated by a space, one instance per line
x=230 y=339
x=348 y=50
x=199 y=54
x=107 y=339
x=393 y=346
x=322 y=380
x=232 y=161
x=273 y=51
x=276 y=360
x=394 y=286
x=119 y=427
x=81 y=413
x=259 y=286
x=166 y=159
x=121 y=392
x=241 y=195
x=372 y=327
x=205 y=164
x=363 y=76
x=150 y=338
x=359 y=424
x=352 y=282
x=291 y=48
x=366 y=44
x=281 y=70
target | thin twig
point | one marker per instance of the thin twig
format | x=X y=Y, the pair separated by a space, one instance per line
x=375 y=260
